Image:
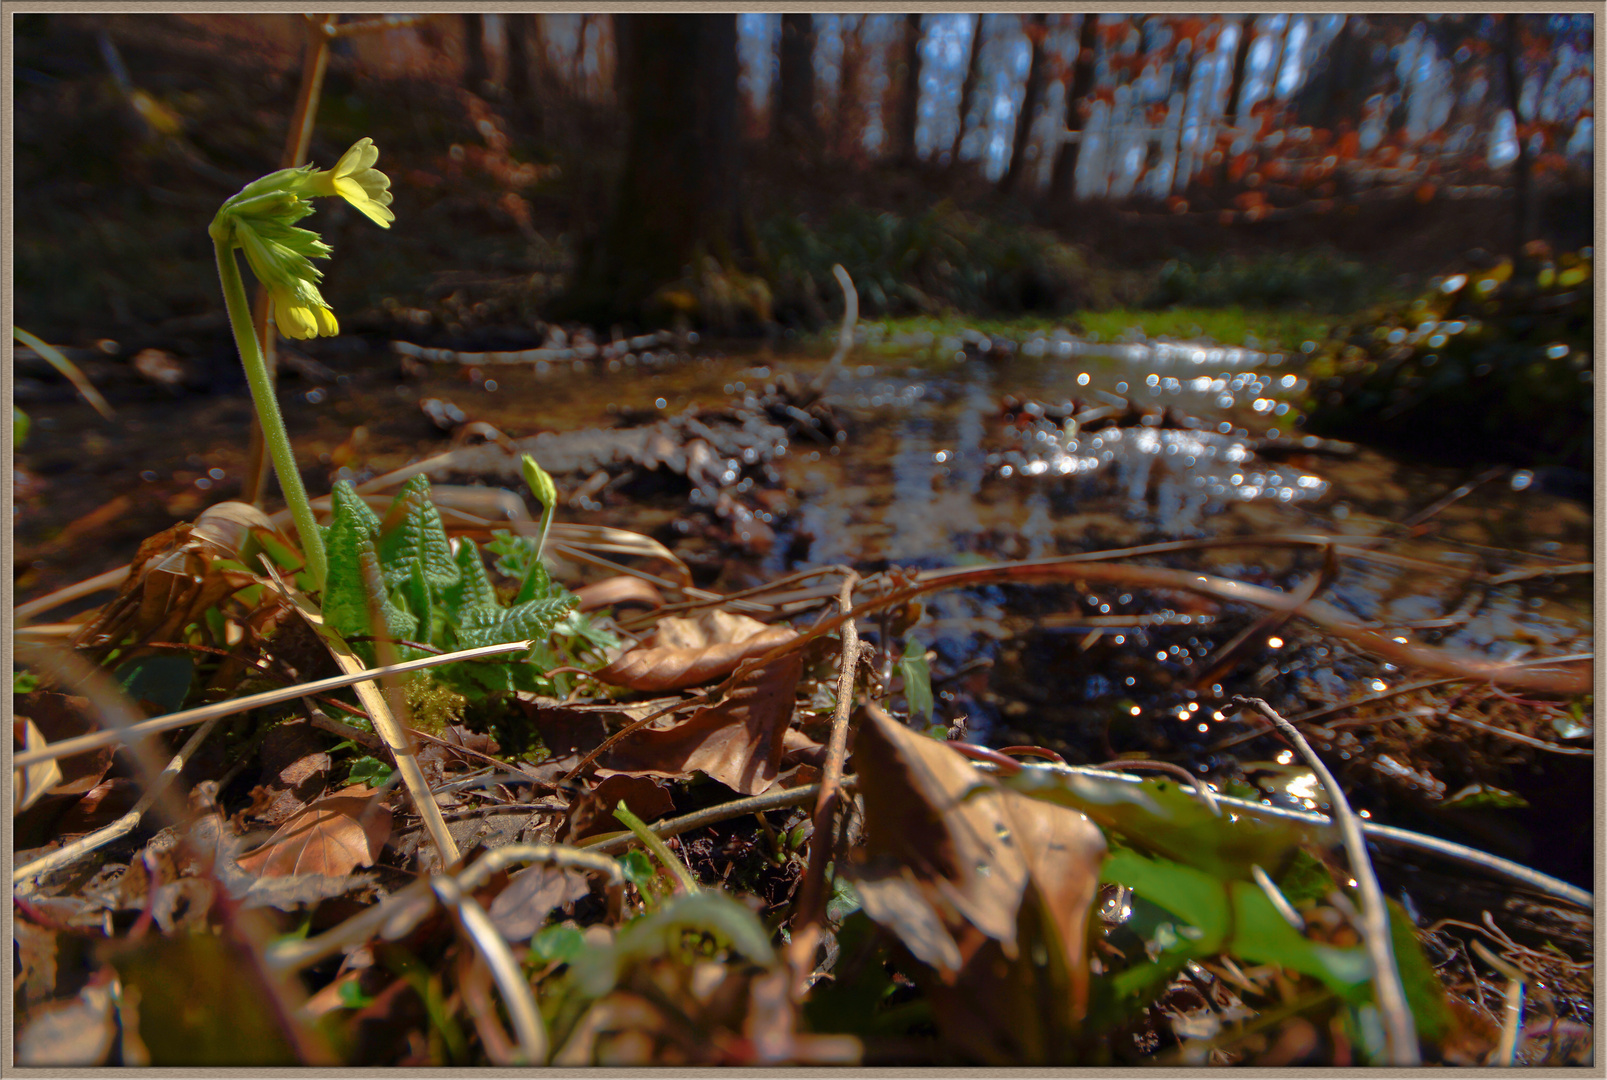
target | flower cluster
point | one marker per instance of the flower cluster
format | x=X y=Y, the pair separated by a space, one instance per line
x=261 y=221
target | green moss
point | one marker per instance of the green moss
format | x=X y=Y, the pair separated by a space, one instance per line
x=434 y=707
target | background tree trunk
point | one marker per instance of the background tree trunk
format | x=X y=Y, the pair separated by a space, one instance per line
x=476 y=72
x=973 y=73
x=1241 y=65
x=908 y=77
x=795 y=89
x=1063 y=177
x=1522 y=168
x=847 y=128
x=1037 y=29
x=677 y=194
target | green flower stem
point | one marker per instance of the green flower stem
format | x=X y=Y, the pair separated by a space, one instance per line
x=273 y=424
x=658 y=847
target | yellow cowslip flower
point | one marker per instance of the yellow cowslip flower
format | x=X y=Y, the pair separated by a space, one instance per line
x=261 y=221
x=355 y=179
x=299 y=320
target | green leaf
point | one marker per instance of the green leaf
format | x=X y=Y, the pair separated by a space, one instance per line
x=1234 y=917
x=418 y=546
x=19 y=427
x=1425 y=993
x=352 y=524
x=557 y=944
x=1159 y=817
x=471 y=601
x=917 y=679
x=637 y=867
x=709 y=912
x=535 y=620
x=371 y=771
x=24 y=682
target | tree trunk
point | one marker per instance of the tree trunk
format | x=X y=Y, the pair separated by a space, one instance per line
x=1523 y=167
x=1241 y=65
x=678 y=190
x=909 y=97
x=1063 y=178
x=973 y=74
x=522 y=49
x=846 y=128
x=476 y=72
x=1037 y=30
x=795 y=87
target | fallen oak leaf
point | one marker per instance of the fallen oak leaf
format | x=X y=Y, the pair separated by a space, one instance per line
x=333 y=836
x=739 y=741
x=953 y=862
x=686 y=652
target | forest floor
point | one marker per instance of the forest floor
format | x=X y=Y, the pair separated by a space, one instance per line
x=681 y=819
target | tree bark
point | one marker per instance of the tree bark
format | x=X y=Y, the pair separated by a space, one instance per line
x=795 y=85
x=909 y=96
x=1241 y=65
x=1037 y=30
x=973 y=74
x=846 y=128
x=1063 y=177
x=476 y=72
x=1523 y=167
x=677 y=194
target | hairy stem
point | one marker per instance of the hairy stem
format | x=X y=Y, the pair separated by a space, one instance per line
x=273 y=425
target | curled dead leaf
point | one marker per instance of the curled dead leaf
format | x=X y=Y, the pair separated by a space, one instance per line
x=958 y=867
x=739 y=741
x=333 y=836
x=686 y=652
x=617 y=591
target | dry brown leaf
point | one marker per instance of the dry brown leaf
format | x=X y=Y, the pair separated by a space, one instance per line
x=593 y=812
x=333 y=836
x=29 y=785
x=686 y=652
x=950 y=853
x=532 y=894
x=738 y=742
x=618 y=590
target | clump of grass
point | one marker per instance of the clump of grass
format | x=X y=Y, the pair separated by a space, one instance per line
x=1316 y=280
x=941 y=260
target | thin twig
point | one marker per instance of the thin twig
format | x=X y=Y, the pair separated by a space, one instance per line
x=516 y=992
x=291 y=955
x=123 y=825
x=615 y=843
x=811 y=907
x=1399 y=1034
x=845 y=336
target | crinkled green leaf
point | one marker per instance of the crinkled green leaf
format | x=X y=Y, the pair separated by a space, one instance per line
x=418 y=543
x=352 y=523
x=535 y=620
x=471 y=601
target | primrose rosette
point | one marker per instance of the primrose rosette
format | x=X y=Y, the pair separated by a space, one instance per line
x=261 y=222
